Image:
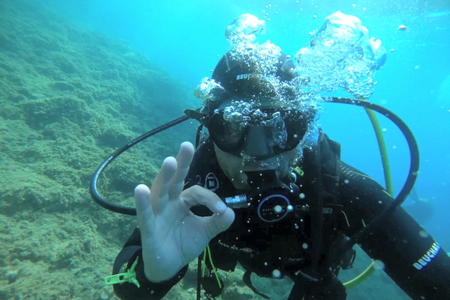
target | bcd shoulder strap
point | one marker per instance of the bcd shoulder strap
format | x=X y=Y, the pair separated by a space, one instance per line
x=324 y=158
x=320 y=164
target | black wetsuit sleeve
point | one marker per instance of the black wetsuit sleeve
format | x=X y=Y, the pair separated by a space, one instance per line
x=409 y=254
x=148 y=290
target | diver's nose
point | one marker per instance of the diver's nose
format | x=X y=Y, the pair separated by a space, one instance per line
x=257 y=143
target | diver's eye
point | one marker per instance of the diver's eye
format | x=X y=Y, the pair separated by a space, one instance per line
x=228 y=136
x=233 y=133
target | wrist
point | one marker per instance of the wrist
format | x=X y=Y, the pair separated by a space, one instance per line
x=157 y=273
x=154 y=276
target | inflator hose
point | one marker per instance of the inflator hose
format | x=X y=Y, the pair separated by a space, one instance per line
x=409 y=183
x=93 y=186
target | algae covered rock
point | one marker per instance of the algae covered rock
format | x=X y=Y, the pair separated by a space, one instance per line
x=68 y=98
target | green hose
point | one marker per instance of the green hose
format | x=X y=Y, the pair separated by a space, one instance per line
x=389 y=187
x=383 y=151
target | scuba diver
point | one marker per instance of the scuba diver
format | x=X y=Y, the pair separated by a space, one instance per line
x=265 y=188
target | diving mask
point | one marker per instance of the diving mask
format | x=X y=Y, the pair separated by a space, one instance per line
x=260 y=134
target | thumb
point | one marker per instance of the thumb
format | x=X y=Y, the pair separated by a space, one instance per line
x=219 y=222
x=222 y=217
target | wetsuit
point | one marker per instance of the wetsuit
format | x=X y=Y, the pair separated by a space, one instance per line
x=305 y=245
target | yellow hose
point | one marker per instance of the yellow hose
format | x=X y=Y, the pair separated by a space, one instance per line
x=383 y=151
x=361 y=277
x=389 y=188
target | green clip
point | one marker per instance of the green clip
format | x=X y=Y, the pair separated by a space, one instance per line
x=128 y=276
x=299 y=171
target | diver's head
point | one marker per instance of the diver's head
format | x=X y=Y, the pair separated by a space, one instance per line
x=254 y=116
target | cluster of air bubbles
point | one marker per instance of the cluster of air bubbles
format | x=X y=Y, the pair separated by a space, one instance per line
x=244 y=112
x=262 y=58
x=242 y=34
x=207 y=89
x=341 y=55
x=244 y=29
x=311 y=138
x=238 y=112
x=263 y=61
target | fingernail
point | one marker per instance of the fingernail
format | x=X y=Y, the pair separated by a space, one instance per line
x=220 y=207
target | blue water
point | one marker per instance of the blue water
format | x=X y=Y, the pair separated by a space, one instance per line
x=186 y=39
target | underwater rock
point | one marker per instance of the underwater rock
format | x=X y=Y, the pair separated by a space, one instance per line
x=68 y=97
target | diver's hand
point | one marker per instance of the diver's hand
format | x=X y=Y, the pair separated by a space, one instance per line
x=171 y=234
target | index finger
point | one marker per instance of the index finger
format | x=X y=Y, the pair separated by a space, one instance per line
x=161 y=184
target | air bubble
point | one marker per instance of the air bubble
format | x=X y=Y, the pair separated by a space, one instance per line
x=423 y=234
x=278 y=209
x=378 y=265
x=276 y=273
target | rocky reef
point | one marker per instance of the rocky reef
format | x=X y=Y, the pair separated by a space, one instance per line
x=69 y=97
